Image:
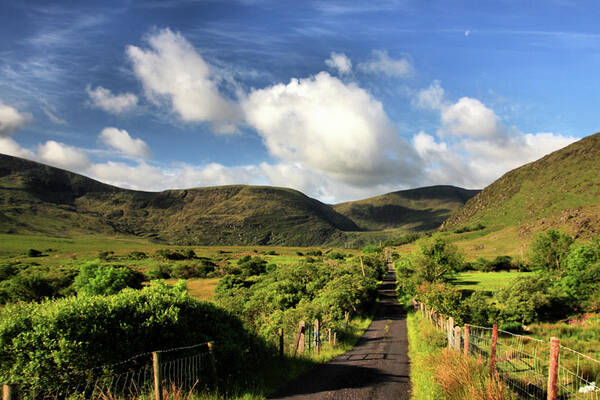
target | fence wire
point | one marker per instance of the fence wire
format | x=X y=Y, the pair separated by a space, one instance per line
x=181 y=370
x=522 y=362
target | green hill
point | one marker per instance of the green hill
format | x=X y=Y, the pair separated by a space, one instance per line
x=561 y=190
x=38 y=199
x=420 y=209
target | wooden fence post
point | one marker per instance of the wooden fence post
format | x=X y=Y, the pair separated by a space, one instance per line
x=493 y=350
x=157 y=377
x=553 y=369
x=9 y=392
x=457 y=338
x=450 y=332
x=299 y=343
x=280 y=334
x=317 y=336
x=329 y=335
x=213 y=360
x=334 y=339
x=467 y=333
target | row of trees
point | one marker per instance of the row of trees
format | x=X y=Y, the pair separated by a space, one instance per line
x=566 y=280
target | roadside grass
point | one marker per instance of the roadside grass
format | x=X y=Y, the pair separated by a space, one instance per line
x=423 y=341
x=440 y=373
x=487 y=281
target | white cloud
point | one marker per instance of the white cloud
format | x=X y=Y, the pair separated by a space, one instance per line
x=172 y=69
x=116 y=104
x=340 y=62
x=383 y=63
x=11 y=119
x=332 y=128
x=467 y=33
x=120 y=140
x=12 y=148
x=470 y=117
x=480 y=148
x=62 y=156
x=431 y=97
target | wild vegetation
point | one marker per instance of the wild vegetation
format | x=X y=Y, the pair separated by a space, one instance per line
x=440 y=373
x=564 y=281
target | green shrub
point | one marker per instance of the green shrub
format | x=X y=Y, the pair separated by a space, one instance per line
x=137 y=255
x=97 y=279
x=34 y=253
x=372 y=248
x=195 y=270
x=44 y=345
x=548 y=251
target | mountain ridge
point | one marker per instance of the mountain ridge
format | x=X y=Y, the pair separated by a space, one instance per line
x=39 y=199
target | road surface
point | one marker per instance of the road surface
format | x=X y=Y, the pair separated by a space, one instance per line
x=376 y=368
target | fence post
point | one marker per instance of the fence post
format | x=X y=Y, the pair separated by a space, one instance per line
x=450 y=331
x=213 y=361
x=157 y=377
x=457 y=338
x=329 y=335
x=493 y=350
x=334 y=339
x=280 y=333
x=317 y=336
x=299 y=343
x=9 y=392
x=467 y=339
x=553 y=369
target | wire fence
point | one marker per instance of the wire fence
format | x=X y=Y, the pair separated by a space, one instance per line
x=524 y=363
x=179 y=369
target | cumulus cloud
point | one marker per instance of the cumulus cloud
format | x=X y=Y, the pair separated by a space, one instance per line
x=478 y=147
x=11 y=119
x=383 y=63
x=120 y=140
x=113 y=103
x=470 y=117
x=10 y=147
x=331 y=127
x=62 y=156
x=172 y=69
x=340 y=62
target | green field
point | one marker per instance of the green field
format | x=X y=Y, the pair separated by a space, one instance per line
x=487 y=281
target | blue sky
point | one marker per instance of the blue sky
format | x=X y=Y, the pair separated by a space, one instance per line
x=341 y=100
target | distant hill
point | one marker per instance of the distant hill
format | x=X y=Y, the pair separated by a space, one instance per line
x=39 y=199
x=561 y=190
x=420 y=209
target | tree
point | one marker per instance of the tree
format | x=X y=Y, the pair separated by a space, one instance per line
x=581 y=272
x=435 y=260
x=549 y=249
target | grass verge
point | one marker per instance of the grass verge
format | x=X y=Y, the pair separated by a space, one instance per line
x=439 y=373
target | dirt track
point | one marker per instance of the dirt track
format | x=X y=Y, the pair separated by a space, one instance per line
x=376 y=368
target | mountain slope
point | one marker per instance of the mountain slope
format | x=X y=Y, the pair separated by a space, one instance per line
x=561 y=190
x=36 y=198
x=415 y=209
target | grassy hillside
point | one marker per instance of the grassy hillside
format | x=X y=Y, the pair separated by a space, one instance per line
x=561 y=190
x=38 y=199
x=420 y=209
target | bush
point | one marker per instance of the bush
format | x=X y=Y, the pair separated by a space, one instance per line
x=372 y=248
x=336 y=256
x=137 y=255
x=195 y=270
x=442 y=297
x=44 y=345
x=97 y=279
x=529 y=299
x=34 y=253
x=581 y=272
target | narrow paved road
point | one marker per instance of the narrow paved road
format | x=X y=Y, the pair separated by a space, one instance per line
x=376 y=368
